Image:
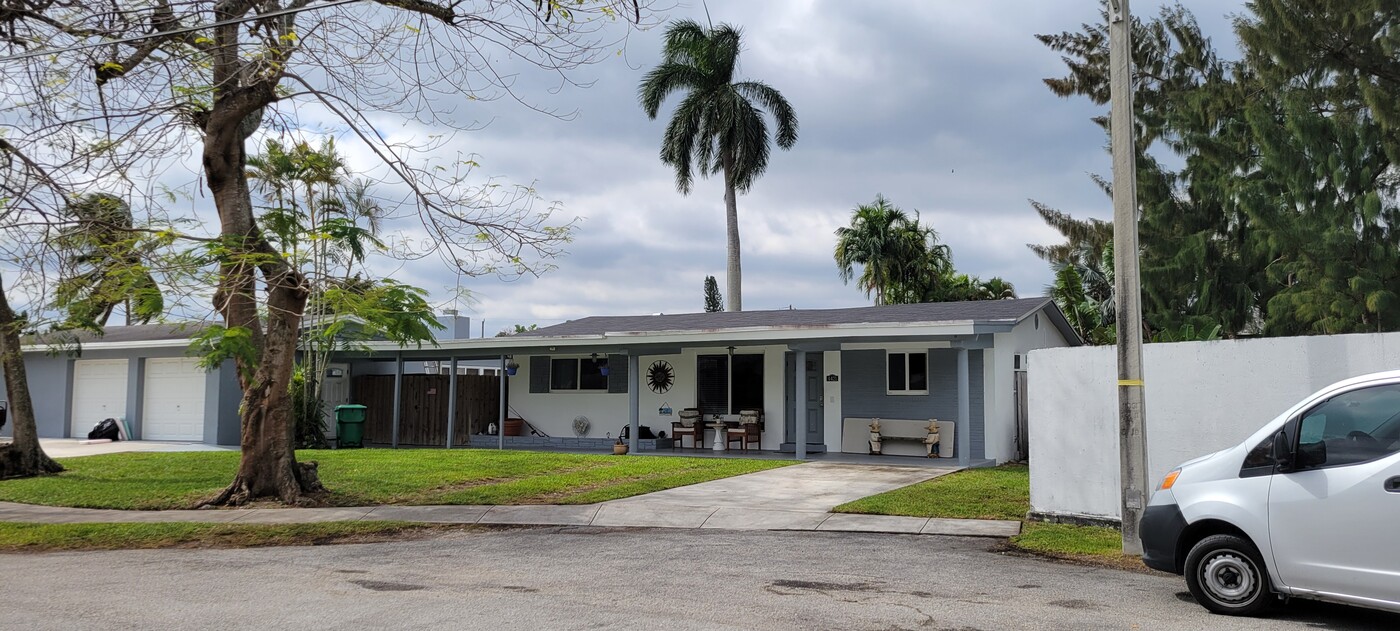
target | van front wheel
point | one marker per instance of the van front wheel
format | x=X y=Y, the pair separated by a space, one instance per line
x=1226 y=575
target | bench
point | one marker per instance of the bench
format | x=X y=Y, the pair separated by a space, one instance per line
x=898 y=437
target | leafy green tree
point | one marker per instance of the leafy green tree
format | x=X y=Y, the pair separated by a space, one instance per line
x=714 y=302
x=902 y=261
x=1280 y=218
x=141 y=85
x=517 y=329
x=719 y=125
x=893 y=251
x=103 y=263
x=995 y=288
x=1326 y=123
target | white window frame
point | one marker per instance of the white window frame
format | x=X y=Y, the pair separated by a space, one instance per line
x=906 y=391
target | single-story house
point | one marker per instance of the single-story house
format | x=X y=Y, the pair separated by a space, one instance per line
x=144 y=375
x=957 y=362
x=962 y=363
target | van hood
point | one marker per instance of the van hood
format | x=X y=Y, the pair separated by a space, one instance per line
x=1204 y=458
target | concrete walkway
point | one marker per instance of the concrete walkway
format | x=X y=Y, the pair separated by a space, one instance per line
x=790 y=498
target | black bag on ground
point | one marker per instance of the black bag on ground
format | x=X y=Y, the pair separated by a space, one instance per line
x=643 y=431
x=106 y=429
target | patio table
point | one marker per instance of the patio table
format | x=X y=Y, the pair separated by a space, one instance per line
x=720 y=444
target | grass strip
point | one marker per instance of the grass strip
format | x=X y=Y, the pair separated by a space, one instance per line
x=360 y=477
x=22 y=537
x=1091 y=545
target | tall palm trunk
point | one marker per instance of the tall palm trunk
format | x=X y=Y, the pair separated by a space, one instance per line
x=24 y=457
x=733 y=272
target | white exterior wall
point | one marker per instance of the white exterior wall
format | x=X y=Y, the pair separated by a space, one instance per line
x=831 y=412
x=998 y=366
x=1201 y=397
x=554 y=412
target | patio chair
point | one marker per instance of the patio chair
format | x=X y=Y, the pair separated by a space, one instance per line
x=689 y=425
x=747 y=432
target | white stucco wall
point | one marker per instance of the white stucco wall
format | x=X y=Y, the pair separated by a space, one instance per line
x=554 y=412
x=1201 y=397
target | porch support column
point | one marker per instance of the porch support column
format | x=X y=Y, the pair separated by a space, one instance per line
x=799 y=395
x=634 y=397
x=964 y=411
x=398 y=398
x=451 y=401
x=501 y=423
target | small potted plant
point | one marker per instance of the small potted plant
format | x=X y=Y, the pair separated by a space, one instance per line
x=511 y=367
x=619 y=447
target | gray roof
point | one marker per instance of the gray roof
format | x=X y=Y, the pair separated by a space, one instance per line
x=981 y=311
x=111 y=334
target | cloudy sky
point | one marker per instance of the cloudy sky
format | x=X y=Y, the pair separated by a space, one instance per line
x=938 y=105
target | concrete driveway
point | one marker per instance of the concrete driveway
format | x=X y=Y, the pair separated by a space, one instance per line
x=789 y=498
x=71 y=447
x=814 y=487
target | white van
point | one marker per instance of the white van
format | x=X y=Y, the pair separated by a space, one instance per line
x=1307 y=507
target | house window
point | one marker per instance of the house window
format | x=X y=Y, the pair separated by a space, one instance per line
x=578 y=374
x=907 y=373
x=717 y=379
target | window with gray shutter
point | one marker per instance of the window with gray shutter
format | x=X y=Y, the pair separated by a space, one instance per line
x=539 y=373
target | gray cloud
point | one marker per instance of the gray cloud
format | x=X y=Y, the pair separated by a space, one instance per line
x=937 y=105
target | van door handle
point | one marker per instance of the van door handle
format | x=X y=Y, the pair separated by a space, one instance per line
x=1393 y=485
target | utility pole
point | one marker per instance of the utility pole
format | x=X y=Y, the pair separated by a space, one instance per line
x=1132 y=446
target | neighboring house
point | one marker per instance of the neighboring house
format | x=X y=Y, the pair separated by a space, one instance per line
x=144 y=375
x=141 y=374
x=893 y=362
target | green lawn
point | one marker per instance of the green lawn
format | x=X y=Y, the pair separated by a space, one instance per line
x=16 y=537
x=998 y=493
x=995 y=493
x=359 y=477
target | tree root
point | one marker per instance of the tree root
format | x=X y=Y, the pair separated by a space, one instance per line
x=25 y=463
x=302 y=488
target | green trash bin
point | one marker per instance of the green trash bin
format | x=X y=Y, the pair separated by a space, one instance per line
x=350 y=425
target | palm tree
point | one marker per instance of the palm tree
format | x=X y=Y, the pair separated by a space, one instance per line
x=995 y=288
x=901 y=259
x=719 y=126
x=103 y=266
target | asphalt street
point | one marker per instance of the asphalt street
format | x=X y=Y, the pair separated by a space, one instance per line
x=597 y=578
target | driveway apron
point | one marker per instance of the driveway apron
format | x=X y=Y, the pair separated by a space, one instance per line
x=812 y=487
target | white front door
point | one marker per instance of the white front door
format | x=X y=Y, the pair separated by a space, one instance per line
x=335 y=390
x=99 y=392
x=173 y=401
x=1333 y=522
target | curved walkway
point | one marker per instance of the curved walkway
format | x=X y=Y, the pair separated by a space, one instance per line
x=789 y=498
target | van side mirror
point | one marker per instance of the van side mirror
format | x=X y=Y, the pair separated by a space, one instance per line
x=1283 y=455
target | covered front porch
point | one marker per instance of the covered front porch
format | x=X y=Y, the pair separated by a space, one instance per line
x=580 y=395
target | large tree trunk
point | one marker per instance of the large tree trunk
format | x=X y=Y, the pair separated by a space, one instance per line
x=733 y=273
x=268 y=467
x=23 y=457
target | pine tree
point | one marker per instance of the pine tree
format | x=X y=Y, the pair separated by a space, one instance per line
x=714 y=302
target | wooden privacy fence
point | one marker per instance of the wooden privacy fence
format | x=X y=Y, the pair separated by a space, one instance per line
x=423 y=408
